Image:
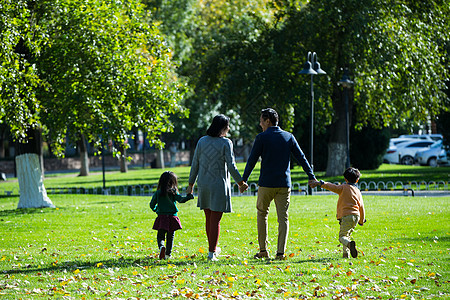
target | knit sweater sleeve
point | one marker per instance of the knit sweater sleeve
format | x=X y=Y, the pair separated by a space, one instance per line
x=181 y=199
x=362 y=212
x=154 y=201
x=230 y=161
x=253 y=158
x=195 y=164
x=332 y=187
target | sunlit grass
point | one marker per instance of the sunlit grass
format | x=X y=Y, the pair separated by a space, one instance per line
x=98 y=247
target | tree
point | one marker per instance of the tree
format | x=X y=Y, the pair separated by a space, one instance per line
x=386 y=45
x=198 y=31
x=99 y=70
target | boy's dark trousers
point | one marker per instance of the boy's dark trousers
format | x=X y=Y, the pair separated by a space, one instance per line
x=161 y=237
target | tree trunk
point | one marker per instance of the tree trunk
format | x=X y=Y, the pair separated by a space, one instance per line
x=84 y=157
x=337 y=150
x=123 y=160
x=2 y=140
x=159 y=159
x=29 y=164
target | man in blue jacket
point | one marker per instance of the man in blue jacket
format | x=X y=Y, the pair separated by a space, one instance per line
x=274 y=146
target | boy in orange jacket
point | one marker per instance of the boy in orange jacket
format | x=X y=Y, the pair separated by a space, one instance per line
x=350 y=208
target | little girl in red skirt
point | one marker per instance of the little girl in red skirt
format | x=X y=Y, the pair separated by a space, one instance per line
x=164 y=204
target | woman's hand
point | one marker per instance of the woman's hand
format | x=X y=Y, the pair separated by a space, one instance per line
x=190 y=189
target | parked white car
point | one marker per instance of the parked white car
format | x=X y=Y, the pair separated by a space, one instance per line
x=429 y=156
x=391 y=155
x=444 y=157
x=404 y=152
x=433 y=136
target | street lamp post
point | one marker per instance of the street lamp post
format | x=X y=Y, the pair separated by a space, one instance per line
x=347 y=84
x=312 y=67
x=103 y=166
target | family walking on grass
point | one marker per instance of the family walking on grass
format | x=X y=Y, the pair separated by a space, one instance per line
x=214 y=162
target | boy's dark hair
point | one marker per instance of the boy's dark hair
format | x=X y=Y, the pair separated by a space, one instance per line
x=218 y=125
x=271 y=114
x=168 y=183
x=352 y=175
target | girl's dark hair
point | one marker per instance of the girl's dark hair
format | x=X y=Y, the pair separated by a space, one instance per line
x=352 y=175
x=218 y=125
x=271 y=114
x=168 y=183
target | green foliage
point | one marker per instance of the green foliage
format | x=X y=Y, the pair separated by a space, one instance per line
x=103 y=247
x=19 y=80
x=103 y=70
x=199 y=31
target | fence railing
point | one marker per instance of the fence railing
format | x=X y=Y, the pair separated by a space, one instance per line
x=297 y=189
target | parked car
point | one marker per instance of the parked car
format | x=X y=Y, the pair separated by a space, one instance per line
x=395 y=141
x=404 y=152
x=444 y=157
x=429 y=156
x=391 y=155
x=433 y=136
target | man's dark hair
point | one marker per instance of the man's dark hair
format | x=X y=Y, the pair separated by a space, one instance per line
x=352 y=175
x=271 y=114
x=218 y=125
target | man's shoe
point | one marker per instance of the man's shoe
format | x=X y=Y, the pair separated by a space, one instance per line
x=261 y=254
x=345 y=255
x=353 y=251
x=162 y=252
x=280 y=257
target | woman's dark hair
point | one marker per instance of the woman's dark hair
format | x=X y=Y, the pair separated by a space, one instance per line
x=352 y=175
x=271 y=114
x=168 y=183
x=218 y=125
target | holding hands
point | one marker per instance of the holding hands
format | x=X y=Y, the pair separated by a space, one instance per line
x=313 y=183
x=243 y=186
x=190 y=189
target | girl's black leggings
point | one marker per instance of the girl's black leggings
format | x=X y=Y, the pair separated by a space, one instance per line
x=161 y=238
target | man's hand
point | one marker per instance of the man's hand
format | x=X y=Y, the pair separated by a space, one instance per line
x=313 y=183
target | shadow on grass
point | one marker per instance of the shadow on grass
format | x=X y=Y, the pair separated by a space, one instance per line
x=25 y=211
x=418 y=239
x=199 y=261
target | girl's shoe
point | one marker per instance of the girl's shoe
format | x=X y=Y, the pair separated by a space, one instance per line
x=162 y=252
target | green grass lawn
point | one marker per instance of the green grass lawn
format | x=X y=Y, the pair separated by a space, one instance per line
x=103 y=247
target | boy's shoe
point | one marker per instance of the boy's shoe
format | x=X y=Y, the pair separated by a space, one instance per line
x=261 y=254
x=353 y=251
x=280 y=257
x=162 y=252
